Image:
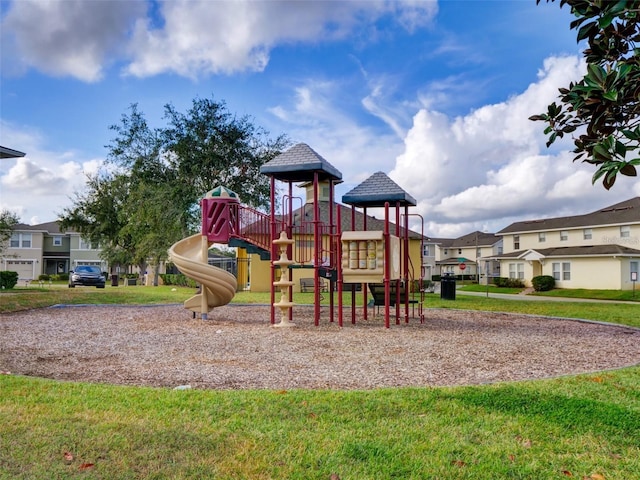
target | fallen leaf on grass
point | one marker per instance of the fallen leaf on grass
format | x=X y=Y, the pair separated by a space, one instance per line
x=68 y=457
x=596 y=476
x=458 y=463
x=86 y=466
x=281 y=392
x=512 y=458
x=567 y=473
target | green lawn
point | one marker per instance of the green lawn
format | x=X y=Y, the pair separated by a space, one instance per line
x=584 y=426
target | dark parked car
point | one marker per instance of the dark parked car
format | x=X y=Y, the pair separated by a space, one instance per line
x=87 y=275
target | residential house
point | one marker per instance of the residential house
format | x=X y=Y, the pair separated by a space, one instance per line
x=599 y=250
x=471 y=255
x=34 y=250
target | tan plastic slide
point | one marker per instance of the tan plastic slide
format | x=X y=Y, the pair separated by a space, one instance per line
x=220 y=285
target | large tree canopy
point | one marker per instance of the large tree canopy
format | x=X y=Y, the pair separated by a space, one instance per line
x=148 y=195
x=603 y=109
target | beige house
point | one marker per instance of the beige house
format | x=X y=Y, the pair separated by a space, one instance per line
x=472 y=255
x=34 y=250
x=598 y=250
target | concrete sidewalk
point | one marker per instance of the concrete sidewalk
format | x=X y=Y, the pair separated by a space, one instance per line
x=540 y=298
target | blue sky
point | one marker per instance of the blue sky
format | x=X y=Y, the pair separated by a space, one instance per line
x=435 y=94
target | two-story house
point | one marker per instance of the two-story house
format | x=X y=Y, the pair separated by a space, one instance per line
x=599 y=250
x=471 y=254
x=39 y=249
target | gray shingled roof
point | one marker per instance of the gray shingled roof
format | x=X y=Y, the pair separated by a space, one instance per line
x=620 y=213
x=481 y=239
x=299 y=164
x=582 y=251
x=375 y=191
x=48 y=227
x=6 y=152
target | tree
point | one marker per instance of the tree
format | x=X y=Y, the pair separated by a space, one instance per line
x=99 y=215
x=209 y=147
x=604 y=107
x=148 y=196
x=8 y=220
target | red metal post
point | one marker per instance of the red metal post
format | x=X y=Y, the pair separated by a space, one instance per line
x=365 y=310
x=387 y=298
x=317 y=244
x=406 y=264
x=332 y=249
x=274 y=250
x=339 y=266
x=397 y=299
x=353 y=287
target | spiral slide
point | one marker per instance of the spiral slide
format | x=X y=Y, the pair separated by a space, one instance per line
x=218 y=285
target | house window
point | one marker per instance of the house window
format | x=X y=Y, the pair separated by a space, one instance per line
x=20 y=240
x=587 y=234
x=426 y=251
x=516 y=270
x=446 y=252
x=516 y=242
x=561 y=271
x=542 y=237
x=556 y=271
x=633 y=267
x=87 y=245
x=57 y=241
x=625 y=231
x=564 y=235
x=566 y=271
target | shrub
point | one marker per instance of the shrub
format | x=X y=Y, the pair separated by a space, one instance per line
x=177 y=279
x=508 y=282
x=8 y=279
x=44 y=277
x=543 y=283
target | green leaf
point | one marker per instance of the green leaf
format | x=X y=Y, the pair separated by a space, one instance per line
x=601 y=152
x=539 y=117
x=611 y=95
x=587 y=30
x=596 y=72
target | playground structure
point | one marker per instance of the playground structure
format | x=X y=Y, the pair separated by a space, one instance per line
x=310 y=236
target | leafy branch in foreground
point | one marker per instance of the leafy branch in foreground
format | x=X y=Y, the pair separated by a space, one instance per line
x=605 y=104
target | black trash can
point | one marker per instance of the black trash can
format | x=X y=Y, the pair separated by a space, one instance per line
x=448 y=287
x=114 y=280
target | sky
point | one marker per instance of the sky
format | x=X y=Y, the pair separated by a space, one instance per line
x=436 y=94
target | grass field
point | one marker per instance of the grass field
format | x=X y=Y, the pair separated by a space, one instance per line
x=584 y=426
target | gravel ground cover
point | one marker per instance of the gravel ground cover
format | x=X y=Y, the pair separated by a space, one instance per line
x=236 y=348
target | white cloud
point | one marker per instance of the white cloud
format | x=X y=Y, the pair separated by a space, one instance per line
x=491 y=166
x=191 y=38
x=40 y=185
x=204 y=37
x=316 y=117
x=67 y=38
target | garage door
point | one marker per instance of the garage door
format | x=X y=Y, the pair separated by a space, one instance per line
x=23 y=267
